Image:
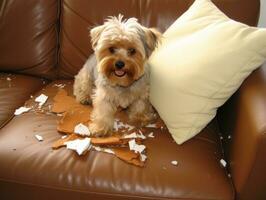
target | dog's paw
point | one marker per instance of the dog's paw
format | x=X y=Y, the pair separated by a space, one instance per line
x=99 y=130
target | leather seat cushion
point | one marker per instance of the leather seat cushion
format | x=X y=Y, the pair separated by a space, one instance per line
x=14 y=91
x=37 y=170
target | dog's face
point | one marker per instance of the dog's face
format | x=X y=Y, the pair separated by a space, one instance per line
x=122 y=48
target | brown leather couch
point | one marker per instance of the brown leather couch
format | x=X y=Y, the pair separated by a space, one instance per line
x=43 y=42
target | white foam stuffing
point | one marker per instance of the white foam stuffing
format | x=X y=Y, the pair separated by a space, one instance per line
x=140 y=135
x=64 y=136
x=61 y=85
x=118 y=125
x=79 y=145
x=82 y=129
x=151 y=126
x=41 y=99
x=151 y=135
x=97 y=148
x=21 y=110
x=135 y=135
x=223 y=162
x=174 y=162
x=132 y=135
x=143 y=157
x=39 y=138
x=133 y=146
x=104 y=150
x=109 y=151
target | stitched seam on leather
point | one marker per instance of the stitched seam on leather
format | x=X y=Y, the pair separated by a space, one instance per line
x=6 y=122
x=58 y=37
x=101 y=193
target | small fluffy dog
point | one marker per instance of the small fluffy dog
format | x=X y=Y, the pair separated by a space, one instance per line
x=116 y=75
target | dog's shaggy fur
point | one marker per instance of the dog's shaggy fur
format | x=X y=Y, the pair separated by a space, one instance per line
x=117 y=74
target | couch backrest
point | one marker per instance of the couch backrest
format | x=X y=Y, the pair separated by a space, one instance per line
x=79 y=15
x=28 y=36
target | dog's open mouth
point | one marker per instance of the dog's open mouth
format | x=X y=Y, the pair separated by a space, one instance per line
x=119 y=73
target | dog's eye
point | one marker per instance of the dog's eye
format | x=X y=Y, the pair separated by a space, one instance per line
x=131 y=51
x=112 y=50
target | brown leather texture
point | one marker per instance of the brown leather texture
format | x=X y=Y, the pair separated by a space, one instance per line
x=14 y=91
x=247 y=148
x=50 y=38
x=28 y=32
x=31 y=165
x=79 y=16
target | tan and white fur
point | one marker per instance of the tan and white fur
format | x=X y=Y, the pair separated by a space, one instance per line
x=116 y=75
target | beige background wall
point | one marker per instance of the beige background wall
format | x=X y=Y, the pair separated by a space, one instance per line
x=262 y=22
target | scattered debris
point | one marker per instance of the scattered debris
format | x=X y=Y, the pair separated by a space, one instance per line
x=140 y=135
x=174 y=162
x=8 y=79
x=223 y=162
x=61 y=85
x=143 y=157
x=136 y=147
x=82 y=130
x=221 y=137
x=70 y=119
x=39 y=138
x=73 y=120
x=79 y=145
x=21 y=110
x=151 y=126
x=106 y=150
x=132 y=135
x=104 y=141
x=64 y=103
x=229 y=137
x=128 y=156
x=61 y=142
x=111 y=140
x=151 y=135
x=109 y=151
x=41 y=99
x=97 y=148
x=120 y=125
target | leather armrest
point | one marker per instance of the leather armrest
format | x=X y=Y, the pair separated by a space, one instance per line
x=247 y=152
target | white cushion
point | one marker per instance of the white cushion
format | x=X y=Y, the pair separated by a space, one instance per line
x=203 y=59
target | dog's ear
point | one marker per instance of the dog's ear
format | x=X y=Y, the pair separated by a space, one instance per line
x=95 y=34
x=153 y=38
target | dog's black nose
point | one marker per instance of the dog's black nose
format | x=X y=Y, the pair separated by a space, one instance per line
x=119 y=64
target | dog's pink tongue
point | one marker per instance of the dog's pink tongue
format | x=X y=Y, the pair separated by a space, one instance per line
x=119 y=72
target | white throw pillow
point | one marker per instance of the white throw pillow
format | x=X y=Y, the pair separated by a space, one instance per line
x=203 y=59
